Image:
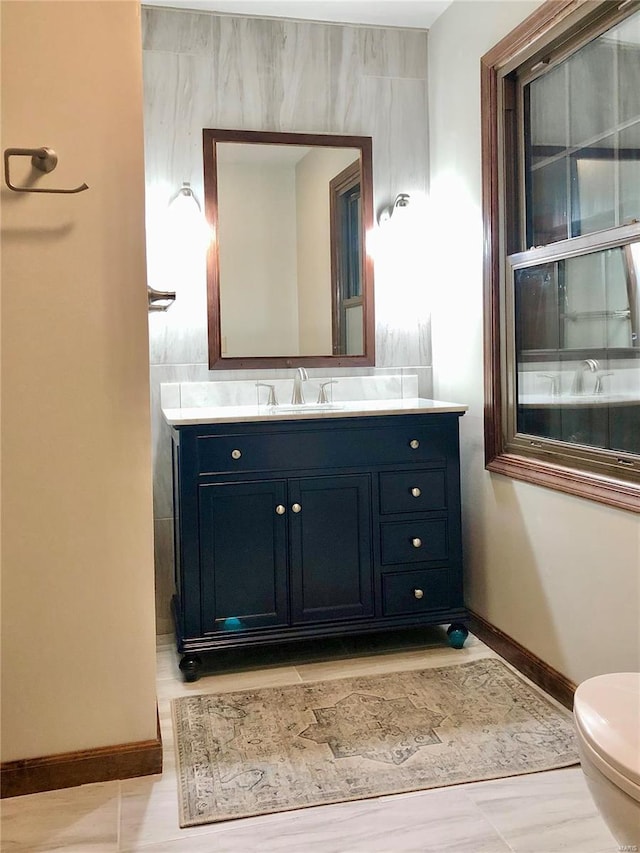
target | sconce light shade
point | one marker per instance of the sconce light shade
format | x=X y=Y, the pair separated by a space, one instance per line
x=402 y=201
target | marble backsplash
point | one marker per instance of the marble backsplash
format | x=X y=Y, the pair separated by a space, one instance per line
x=616 y=376
x=392 y=386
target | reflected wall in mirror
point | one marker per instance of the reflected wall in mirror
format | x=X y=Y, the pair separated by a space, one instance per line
x=288 y=279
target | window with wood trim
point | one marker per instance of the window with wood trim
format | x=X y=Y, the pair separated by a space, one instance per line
x=561 y=187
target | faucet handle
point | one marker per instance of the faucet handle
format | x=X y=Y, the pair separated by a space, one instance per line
x=554 y=382
x=322 y=395
x=598 y=386
x=271 y=401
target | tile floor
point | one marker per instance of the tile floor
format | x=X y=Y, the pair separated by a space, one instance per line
x=539 y=813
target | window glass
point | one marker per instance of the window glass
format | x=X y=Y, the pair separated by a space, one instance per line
x=572 y=316
x=630 y=172
x=582 y=139
x=561 y=166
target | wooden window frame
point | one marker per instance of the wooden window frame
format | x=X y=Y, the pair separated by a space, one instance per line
x=555 y=24
x=346 y=180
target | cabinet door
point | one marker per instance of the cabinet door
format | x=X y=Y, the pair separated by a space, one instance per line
x=330 y=548
x=243 y=555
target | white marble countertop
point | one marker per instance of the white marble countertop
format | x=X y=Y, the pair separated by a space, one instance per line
x=238 y=414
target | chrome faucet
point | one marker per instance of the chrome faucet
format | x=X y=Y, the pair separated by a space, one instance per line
x=589 y=364
x=297 y=397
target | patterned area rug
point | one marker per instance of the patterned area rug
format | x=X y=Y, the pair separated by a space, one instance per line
x=279 y=748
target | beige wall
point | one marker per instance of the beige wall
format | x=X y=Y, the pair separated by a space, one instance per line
x=559 y=574
x=257 y=255
x=313 y=174
x=77 y=585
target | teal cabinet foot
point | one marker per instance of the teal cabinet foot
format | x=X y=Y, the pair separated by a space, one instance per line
x=457 y=635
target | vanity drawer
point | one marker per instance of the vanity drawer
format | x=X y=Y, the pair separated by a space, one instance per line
x=414 y=541
x=413 y=491
x=292 y=448
x=416 y=592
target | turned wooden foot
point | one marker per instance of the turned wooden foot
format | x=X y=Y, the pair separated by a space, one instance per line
x=190 y=666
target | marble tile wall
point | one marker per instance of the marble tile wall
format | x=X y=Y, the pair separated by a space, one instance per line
x=226 y=71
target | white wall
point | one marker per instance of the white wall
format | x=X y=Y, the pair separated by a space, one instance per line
x=78 y=644
x=559 y=574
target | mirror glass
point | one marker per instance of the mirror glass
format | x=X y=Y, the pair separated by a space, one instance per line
x=289 y=280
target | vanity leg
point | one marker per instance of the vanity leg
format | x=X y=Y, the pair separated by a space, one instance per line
x=190 y=667
x=457 y=634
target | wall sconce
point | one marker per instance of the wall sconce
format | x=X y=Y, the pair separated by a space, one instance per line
x=185 y=218
x=401 y=202
x=185 y=197
x=188 y=232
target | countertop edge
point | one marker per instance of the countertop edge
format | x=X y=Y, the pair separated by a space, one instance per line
x=177 y=417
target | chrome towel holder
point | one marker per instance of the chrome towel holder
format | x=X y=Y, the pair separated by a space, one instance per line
x=160 y=300
x=43 y=159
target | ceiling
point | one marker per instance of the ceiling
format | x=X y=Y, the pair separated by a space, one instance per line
x=419 y=14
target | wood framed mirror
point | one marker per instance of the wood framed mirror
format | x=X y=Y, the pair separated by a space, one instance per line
x=289 y=280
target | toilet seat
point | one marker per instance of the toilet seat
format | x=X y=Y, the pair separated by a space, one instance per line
x=607 y=715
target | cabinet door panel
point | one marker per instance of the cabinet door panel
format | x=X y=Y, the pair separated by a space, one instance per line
x=331 y=563
x=243 y=556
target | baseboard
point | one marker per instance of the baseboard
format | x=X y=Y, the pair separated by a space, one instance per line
x=68 y=769
x=549 y=679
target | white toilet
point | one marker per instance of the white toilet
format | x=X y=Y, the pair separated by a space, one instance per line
x=607 y=716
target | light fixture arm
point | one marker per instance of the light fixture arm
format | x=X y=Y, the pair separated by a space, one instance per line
x=402 y=200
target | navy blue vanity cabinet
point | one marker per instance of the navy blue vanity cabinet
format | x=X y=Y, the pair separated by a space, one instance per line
x=296 y=529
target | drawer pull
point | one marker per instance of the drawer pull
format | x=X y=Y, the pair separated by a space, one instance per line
x=418 y=593
x=416 y=492
x=414 y=444
x=236 y=454
x=296 y=507
x=417 y=543
x=280 y=509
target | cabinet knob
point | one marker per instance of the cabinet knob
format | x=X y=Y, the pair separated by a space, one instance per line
x=417 y=543
x=418 y=593
x=296 y=507
x=236 y=454
x=280 y=509
x=416 y=492
x=414 y=444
